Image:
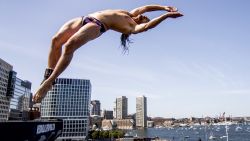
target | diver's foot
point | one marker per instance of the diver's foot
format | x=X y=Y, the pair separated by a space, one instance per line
x=41 y=92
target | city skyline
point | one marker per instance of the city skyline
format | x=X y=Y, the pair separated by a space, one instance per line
x=196 y=65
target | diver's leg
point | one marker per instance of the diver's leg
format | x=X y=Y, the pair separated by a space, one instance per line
x=86 y=33
x=61 y=37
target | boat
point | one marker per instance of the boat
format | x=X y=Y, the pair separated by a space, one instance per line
x=238 y=128
x=226 y=127
x=217 y=129
x=211 y=137
x=223 y=137
x=186 y=137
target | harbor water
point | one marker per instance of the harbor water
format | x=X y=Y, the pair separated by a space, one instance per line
x=237 y=132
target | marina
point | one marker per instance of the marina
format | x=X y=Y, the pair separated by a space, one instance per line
x=233 y=132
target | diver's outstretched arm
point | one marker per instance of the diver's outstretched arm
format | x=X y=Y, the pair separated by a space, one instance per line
x=151 y=24
x=148 y=8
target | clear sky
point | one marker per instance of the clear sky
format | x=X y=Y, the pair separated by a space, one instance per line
x=196 y=65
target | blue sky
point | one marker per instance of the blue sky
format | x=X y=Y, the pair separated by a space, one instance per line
x=196 y=65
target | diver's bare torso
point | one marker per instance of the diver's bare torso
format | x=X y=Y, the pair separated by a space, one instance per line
x=118 y=20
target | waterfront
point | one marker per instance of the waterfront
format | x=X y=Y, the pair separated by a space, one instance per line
x=237 y=132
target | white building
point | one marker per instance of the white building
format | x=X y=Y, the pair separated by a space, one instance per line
x=141 y=111
x=7 y=84
x=114 y=110
x=121 y=107
x=69 y=100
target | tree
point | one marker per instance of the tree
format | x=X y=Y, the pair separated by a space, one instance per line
x=105 y=134
x=120 y=134
x=95 y=135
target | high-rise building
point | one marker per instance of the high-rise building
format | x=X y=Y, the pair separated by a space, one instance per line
x=95 y=107
x=20 y=102
x=121 y=107
x=141 y=111
x=7 y=85
x=69 y=100
x=106 y=114
x=114 y=110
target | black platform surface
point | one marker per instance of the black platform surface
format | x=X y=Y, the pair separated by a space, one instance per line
x=37 y=130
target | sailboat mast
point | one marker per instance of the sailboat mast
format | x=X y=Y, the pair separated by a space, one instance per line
x=226 y=127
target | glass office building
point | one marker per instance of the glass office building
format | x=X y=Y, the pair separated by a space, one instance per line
x=21 y=100
x=69 y=100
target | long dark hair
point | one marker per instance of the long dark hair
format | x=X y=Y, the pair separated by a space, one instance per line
x=125 y=41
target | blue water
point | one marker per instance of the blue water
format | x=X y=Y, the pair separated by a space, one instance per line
x=194 y=133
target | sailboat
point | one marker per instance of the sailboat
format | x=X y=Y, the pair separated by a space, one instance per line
x=238 y=128
x=212 y=137
x=226 y=127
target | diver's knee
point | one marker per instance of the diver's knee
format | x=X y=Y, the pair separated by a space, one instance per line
x=69 y=47
x=55 y=39
x=56 y=42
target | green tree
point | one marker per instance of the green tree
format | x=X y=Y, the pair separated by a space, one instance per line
x=105 y=134
x=90 y=134
x=120 y=134
x=95 y=135
x=115 y=134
